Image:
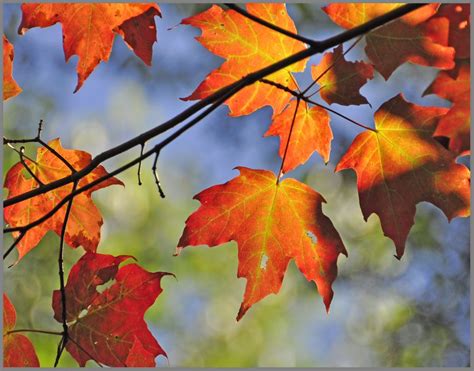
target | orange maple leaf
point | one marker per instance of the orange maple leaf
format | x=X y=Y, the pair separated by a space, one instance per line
x=89 y=29
x=400 y=165
x=10 y=87
x=311 y=132
x=108 y=325
x=18 y=351
x=83 y=228
x=407 y=39
x=456 y=124
x=247 y=47
x=343 y=79
x=272 y=224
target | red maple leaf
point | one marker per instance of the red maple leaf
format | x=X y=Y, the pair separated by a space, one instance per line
x=108 y=326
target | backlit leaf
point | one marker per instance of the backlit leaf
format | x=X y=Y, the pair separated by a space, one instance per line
x=18 y=351
x=401 y=165
x=343 y=79
x=89 y=29
x=459 y=27
x=107 y=325
x=456 y=124
x=311 y=132
x=10 y=87
x=271 y=224
x=409 y=39
x=83 y=228
x=247 y=47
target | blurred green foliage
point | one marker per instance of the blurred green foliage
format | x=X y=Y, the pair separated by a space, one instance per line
x=413 y=312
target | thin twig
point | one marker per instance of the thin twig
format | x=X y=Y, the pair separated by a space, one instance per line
x=238 y=85
x=155 y=175
x=13 y=245
x=92 y=184
x=272 y=26
x=85 y=351
x=25 y=165
x=331 y=66
x=306 y=99
x=280 y=173
x=61 y=276
x=57 y=154
x=59 y=351
x=35 y=330
x=142 y=147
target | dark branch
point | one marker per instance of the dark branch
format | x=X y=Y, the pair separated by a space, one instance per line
x=155 y=175
x=280 y=173
x=308 y=100
x=271 y=26
x=157 y=148
x=61 y=279
x=142 y=147
x=25 y=165
x=236 y=86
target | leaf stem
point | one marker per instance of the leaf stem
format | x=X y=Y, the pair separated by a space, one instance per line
x=280 y=173
x=35 y=330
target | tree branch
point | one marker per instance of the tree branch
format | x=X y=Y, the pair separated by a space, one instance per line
x=316 y=47
x=271 y=26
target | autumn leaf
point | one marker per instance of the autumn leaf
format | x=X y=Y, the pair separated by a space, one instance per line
x=83 y=228
x=18 y=351
x=271 y=223
x=10 y=87
x=456 y=124
x=89 y=29
x=247 y=47
x=400 y=165
x=459 y=27
x=343 y=79
x=350 y=15
x=311 y=132
x=409 y=39
x=106 y=324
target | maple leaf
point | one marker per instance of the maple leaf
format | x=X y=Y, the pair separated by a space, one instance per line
x=83 y=228
x=89 y=29
x=456 y=124
x=247 y=47
x=400 y=165
x=271 y=223
x=341 y=83
x=18 y=351
x=459 y=27
x=408 y=39
x=10 y=87
x=108 y=326
x=311 y=132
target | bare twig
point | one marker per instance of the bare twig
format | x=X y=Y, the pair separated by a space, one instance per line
x=271 y=26
x=85 y=351
x=238 y=85
x=142 y=147
x=306 y=99
x=155 y=174
x=59 y=351
x=35 y=330
x=13 y=245
x=330 y=66
x=280 y=173
x=86 y=187
x=61 y=278
x=25 y=165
